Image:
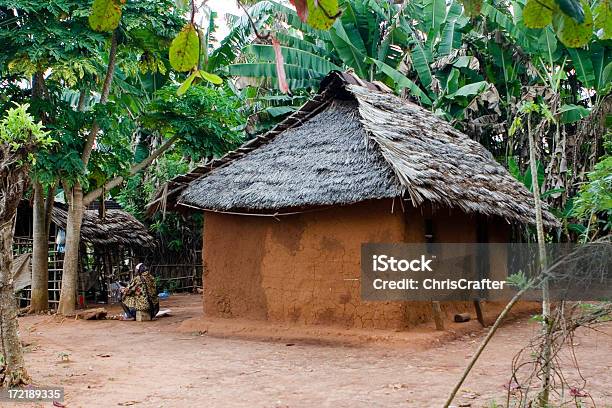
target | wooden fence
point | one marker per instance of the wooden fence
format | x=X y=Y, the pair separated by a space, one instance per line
x=178 y=277
x=23 y=245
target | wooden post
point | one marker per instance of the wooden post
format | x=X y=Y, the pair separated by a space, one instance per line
x=483 y=262
x=479 y=314
x=437 y=313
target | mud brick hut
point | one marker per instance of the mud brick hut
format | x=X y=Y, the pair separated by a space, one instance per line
x=286 y=214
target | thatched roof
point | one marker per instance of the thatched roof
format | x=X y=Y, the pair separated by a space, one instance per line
x=353 y=142
x=117 y=229
x=303 y=166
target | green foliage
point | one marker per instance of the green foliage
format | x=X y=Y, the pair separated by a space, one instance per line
x=603 y=18
x=139 y=190
x=538 y=13
x=18 y=129
x=571 y=19
x=50 y=35
x=573 y=9
x=319 y=14
x=525 y=177
x=472 y=7
x=185 y=49
x=199 y=74
x=378 y=40
x=519 y=280
x=55 y=38
x=572 y=33
x=573 y=113
x=105 y=14
x=593 y=204
x=322 y=13
x=427 y=49
x=208 y=120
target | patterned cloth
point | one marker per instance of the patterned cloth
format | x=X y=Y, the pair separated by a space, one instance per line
x=135 y=296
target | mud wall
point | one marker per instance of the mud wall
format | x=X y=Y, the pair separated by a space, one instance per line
x=305 y=268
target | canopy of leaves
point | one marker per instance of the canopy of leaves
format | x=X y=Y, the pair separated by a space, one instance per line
x=53 y=42
x=208 y=120
x=572 y=19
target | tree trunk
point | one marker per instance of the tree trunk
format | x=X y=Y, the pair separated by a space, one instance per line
x=12 y=368
x=71 y=257
x=40 y=254
x=546 y=322
x=49 y=203
x=76 y=207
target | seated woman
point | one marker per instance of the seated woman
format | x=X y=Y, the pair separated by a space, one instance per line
x=140 y=294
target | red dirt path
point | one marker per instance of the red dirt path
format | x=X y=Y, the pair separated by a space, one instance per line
x=182 y=361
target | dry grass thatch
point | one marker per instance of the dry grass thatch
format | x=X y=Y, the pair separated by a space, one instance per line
x=117 y=229
x=355 y=141
x=437 y=163
x=302 y=166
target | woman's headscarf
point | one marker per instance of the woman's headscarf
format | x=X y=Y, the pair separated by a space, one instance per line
x=141 y=268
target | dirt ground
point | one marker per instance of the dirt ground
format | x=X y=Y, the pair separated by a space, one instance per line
x=184 y=361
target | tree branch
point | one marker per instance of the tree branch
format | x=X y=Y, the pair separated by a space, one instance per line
x=117 y=181
x=253 y=25
x=110 y=71
x=82 y=100
x=49 y=201
x=483 y=345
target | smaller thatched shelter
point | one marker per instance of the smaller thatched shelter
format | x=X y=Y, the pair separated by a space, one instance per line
x=286 y=214
x=115 y=228
x=112 y=240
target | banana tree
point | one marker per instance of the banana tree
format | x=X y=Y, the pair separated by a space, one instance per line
x=410 y=46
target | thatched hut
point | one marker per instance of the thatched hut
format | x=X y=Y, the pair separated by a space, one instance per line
x=286 y=214
x=111 y=241
x=110 y=228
